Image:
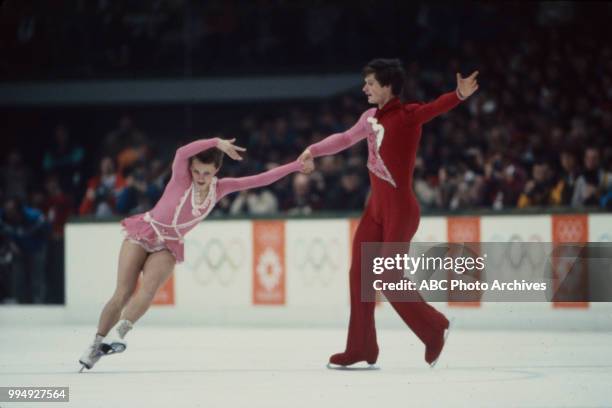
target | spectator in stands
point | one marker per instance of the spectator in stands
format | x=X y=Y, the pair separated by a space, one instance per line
x=139 y=194
x=256 y=202
x=301 y=202
x=424 y=189
x=260 y=201
x=564 y=189
x=448 y=186
x=8 y=251
x=16 y=176
x=592 y=182
x=350 y=195
x=467 y=194
x=28 y=230
x=329 y=171
x=538 y=190
x=102 y=191
x=57 y=208
x=503 y=183
x=125 y=136
x=130 y=155
x=64 y=159
x=159 y=174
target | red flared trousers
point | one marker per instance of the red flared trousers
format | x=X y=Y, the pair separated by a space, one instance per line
x=386 y=222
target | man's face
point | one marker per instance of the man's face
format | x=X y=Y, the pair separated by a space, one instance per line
x=377 y=94
x=568 y=161
x=106 y=166
x=202 y=173
x=591 y=159
x=540 y=172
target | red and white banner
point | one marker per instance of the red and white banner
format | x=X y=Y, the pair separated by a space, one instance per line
x=269 y=262
x=570 y=274
x=464 y=230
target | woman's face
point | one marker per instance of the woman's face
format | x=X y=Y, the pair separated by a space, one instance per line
x=202 y=173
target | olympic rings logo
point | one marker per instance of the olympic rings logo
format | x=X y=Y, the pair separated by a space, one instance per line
x=216 y=260
x=317 y=260
x=514 y=253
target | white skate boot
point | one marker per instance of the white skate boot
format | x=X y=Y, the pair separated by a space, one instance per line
x=92 y=354
x=117 y=343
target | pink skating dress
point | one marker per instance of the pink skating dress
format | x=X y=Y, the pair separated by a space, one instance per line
x=176 y=213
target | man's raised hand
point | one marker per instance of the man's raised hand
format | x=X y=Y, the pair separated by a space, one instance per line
x=306 y=155
x=467 y=86
x=307 y=161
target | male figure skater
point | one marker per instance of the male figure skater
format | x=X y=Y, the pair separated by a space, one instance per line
x=393 y=132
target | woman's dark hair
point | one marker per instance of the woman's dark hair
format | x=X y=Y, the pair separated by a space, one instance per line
x=211 y=156
x=387 y=71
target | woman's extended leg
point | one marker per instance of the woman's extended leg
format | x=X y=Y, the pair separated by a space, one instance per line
x=157 y=269
x=132 y=257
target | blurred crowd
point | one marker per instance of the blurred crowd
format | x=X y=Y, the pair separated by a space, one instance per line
x=92 y=39
x=535 y=136
x=102 y=38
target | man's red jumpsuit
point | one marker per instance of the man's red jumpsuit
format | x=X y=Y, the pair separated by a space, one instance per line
x=391 y=215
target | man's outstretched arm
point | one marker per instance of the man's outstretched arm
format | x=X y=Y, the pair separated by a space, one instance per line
x=339 y=141
x=465 y=88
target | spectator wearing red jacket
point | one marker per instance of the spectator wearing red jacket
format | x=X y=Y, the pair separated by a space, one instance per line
x=102 y=190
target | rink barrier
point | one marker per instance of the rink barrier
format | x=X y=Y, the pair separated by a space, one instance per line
x=294 y=272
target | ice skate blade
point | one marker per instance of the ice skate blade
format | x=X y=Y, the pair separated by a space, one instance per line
x=112 y=348
x=362 y=366
x=83 y=366
x=446 y=333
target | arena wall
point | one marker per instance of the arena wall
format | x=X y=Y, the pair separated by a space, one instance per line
x=295 y=273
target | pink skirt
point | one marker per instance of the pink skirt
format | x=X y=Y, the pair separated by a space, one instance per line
x=138 y=231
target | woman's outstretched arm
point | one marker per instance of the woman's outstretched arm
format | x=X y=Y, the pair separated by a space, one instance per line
x=229 y=185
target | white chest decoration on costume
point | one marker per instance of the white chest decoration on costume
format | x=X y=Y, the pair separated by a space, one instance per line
x=378 y=130
x=375 y=161
x=199 y=212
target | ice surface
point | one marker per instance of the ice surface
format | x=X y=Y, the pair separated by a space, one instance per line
x=233 y=367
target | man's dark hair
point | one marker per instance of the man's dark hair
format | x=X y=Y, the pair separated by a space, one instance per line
x=387 y=71
x=211 y=156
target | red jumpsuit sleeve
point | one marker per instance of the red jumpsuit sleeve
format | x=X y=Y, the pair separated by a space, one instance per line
x=422 y=113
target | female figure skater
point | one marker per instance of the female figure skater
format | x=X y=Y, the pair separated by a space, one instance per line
x=154 y=240
x=393 y=132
